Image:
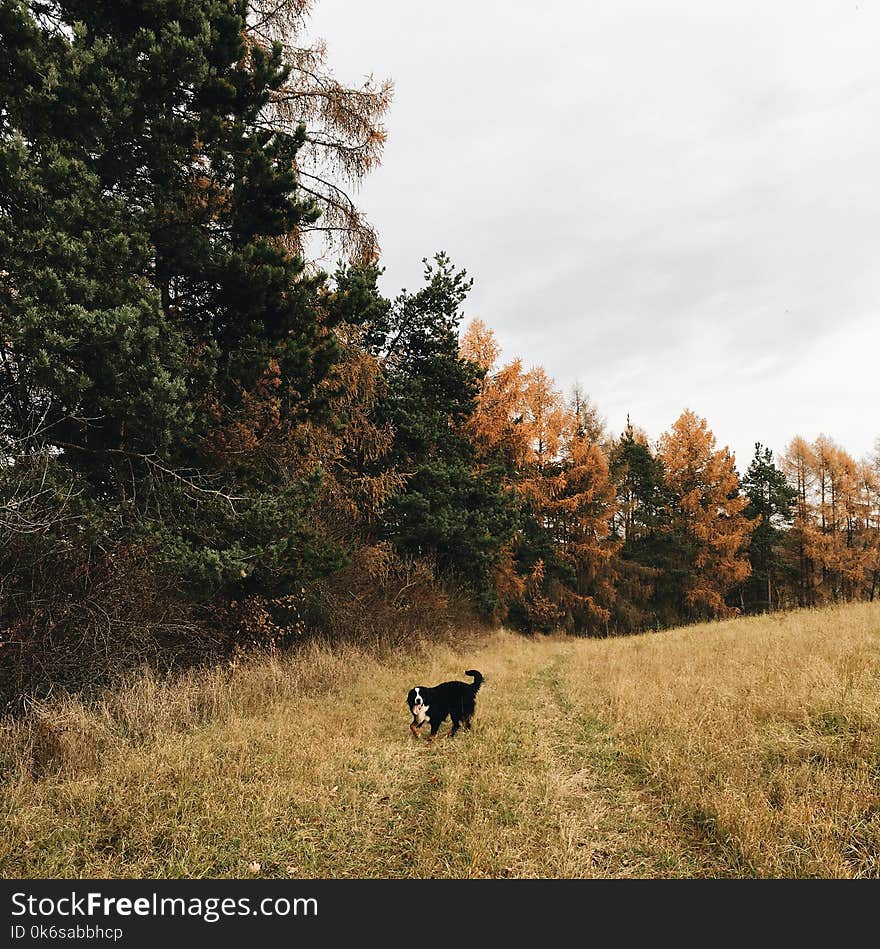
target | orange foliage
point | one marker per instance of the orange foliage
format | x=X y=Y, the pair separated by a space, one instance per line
x=563 y=474
x=580 y=515
x=709 y=511
x=495 y=428
x=544 y=418
x=258 y=435
x=837 y=521
x=344 y=132
x=254 y=434
x=357 y=480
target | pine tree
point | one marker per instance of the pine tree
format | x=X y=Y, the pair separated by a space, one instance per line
x=771 y=503
x=148 y=289
x=454 y=507
x=638 y=473
x=656 y=554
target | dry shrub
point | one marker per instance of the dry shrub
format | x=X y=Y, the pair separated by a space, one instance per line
x=93 y=614
x=261 y=622
x=382 y=597
x=101 y=615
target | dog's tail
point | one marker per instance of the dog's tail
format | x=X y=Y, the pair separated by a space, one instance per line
x=477 y=677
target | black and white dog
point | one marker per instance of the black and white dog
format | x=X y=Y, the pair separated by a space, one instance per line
x=454 y=699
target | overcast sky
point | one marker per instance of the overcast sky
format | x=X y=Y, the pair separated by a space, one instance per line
x=676 y=204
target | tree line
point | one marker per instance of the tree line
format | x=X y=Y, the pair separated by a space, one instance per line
x=621 y=534
x=207 y=440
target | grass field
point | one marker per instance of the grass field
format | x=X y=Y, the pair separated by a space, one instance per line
x=744 y=748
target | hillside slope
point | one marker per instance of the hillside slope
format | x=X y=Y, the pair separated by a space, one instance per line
x=744 y=748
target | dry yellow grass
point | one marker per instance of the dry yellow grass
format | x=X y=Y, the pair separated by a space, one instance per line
x=745 y=748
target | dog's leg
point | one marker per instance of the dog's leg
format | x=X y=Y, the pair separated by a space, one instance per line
x=455 y=727
x=414 y=728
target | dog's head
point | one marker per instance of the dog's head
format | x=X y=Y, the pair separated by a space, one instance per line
x=416 y=702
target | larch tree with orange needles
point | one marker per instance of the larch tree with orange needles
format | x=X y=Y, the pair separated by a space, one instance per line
x=835 y=531
x=496 y=427
x=868 y=528
x=798 y=463
x=580 y=514
x=871 y=477
x=496 y=431
x=540 y=416
x=708 y=511
x=344 y=135
x=557 y=572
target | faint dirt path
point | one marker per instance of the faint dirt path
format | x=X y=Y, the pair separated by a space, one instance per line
x=539 y=788
x=616 y=823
